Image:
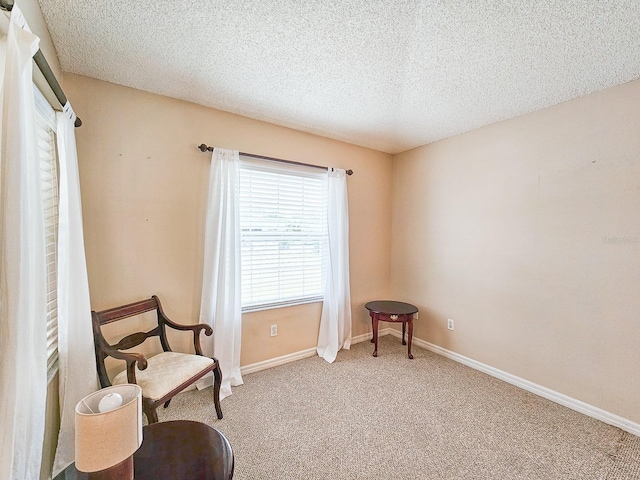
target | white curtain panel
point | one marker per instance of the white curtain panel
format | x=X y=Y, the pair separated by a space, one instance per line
x=23 y=342
x=335 y=323
x=221 y=305
x=77 y=368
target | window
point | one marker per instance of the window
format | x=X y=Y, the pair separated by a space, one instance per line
x=46 y=136
x=284 y=233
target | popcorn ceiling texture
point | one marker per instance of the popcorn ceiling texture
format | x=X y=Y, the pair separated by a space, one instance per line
x=389 y=75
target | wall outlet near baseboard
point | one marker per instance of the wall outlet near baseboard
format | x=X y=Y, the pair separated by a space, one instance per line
x=450 y=324
x=274 y=330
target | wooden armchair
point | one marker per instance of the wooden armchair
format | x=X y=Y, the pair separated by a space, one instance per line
x=161 y=376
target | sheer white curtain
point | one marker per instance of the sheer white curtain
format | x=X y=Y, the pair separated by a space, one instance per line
x=221 y=305
x=77 y=368
x=23 y=342
x=335 y=323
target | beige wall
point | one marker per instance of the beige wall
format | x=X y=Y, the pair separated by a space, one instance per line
x=508 y=230
x=144 y=188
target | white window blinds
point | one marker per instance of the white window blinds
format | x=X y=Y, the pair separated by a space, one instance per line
x=284 y=233
x=46 y=135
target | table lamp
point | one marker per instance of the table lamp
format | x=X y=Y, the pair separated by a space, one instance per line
x=109 y=431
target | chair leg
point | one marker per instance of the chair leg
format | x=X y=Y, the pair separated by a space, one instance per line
x=150 y=411
x=217 y=380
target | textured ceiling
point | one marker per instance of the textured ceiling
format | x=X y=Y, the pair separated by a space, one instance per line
x=389 y=75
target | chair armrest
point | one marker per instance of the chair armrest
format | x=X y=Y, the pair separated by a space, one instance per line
x=196 y=329
x=131 y=359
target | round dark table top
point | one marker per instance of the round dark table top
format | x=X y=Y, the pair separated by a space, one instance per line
x=183 y=449
x=179 y=449
x=391 y=307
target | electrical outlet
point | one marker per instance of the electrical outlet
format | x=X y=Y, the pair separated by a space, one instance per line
x=450 y=324
x=274 y=330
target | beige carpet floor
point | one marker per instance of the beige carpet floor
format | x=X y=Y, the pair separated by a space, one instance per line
x=393 y=418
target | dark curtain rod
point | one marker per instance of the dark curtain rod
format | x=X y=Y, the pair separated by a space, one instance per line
x=205 y=148
x=44 y=67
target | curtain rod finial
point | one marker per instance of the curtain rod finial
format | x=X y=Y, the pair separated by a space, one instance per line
x=203 y=148
x=349 y=172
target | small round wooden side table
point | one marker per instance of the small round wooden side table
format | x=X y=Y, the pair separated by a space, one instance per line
x=179 y=449
x=391 y=311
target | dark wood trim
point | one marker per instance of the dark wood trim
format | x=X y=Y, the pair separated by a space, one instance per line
x=135 y=308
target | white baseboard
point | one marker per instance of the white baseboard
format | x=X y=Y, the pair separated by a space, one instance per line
x=368 y=336
x=274 y=362
x=572 y=403
x=309 y=352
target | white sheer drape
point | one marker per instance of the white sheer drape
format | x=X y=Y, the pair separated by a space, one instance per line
x=221 y=299
x=23 y=313
x=77 y=369
x=335 y=323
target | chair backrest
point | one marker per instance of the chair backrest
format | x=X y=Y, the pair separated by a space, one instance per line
x=104 y=349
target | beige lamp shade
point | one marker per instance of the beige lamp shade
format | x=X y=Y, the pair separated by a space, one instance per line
x=108 y=437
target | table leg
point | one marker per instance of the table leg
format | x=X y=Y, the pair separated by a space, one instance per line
x=375 y=335
x=403 y=325
x=371 y=314
x=410 y=336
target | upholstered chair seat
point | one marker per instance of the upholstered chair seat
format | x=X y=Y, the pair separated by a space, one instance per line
x=165 y=372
